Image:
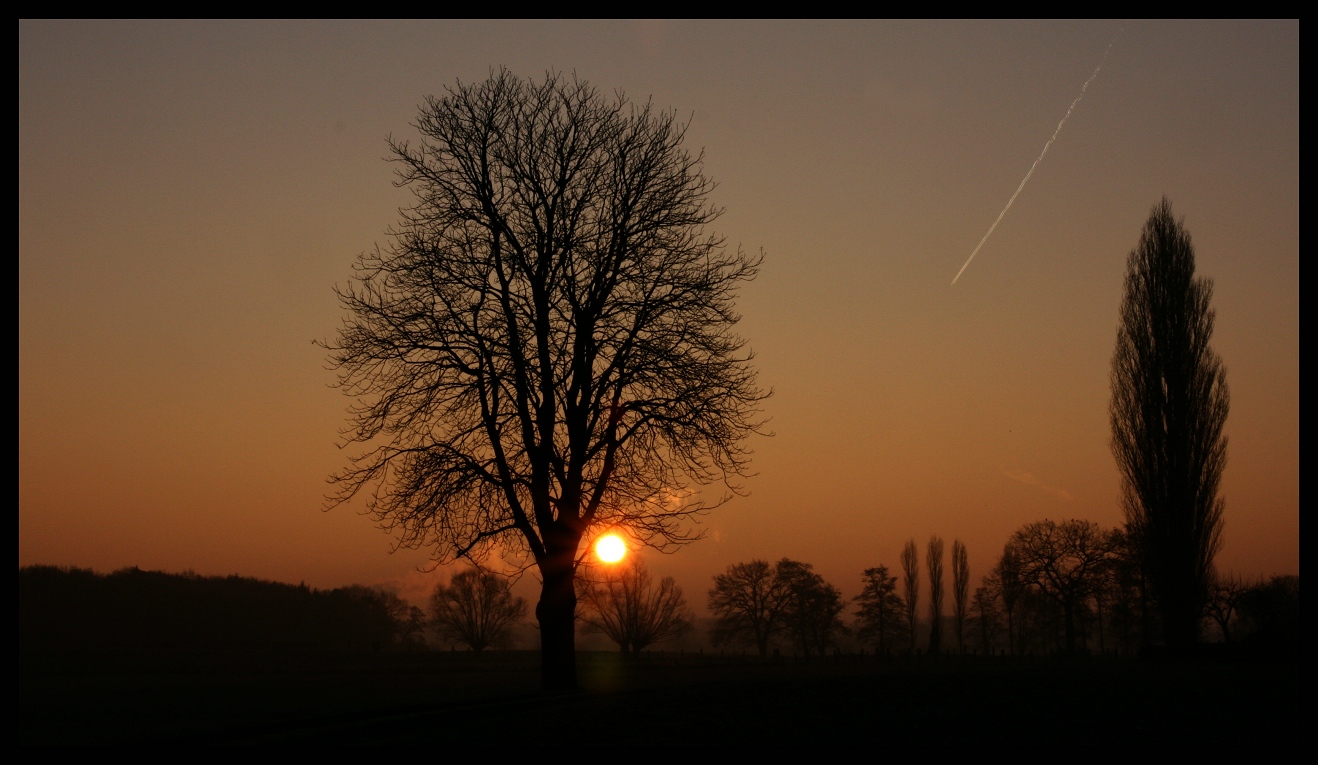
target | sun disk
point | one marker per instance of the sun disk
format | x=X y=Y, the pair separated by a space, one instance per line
x=610 y=548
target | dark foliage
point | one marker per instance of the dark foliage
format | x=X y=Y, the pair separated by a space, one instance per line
x=74 y=608
x=882 y=615
x=1270 y=616
x=1169 y=407
x=812 y=608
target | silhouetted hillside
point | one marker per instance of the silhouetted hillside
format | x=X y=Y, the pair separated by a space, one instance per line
x=66 y=608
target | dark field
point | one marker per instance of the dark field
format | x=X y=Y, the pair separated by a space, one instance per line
x=262 y=697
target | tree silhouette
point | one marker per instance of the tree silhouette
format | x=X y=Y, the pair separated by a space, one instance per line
x=623 y=602
x=1010 y=588
x=882 y=614
x=1223 y=599
x=986 y=614
x=477 y=609
x=960 y=591
x=812 y=611
x=911 y=585
x=1169 y=408
x=747 y=601
x=1270 y=615
x=1064 y=562
x=545 y=347
x=934 y=560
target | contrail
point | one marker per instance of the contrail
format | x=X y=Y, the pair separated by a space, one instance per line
x=1040 y=159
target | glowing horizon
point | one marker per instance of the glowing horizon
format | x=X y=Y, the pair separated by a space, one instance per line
x=178 y=251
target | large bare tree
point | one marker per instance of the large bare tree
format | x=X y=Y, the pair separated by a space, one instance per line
x=545 y=347
x=1169 y=409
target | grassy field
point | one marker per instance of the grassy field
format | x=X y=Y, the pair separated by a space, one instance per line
x=281 y=696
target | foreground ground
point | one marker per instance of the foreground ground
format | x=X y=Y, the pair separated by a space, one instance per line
x=263 y=697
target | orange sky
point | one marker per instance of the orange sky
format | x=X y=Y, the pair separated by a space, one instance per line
x=190 y=192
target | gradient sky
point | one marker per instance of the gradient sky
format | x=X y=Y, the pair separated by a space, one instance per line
x=189 y=193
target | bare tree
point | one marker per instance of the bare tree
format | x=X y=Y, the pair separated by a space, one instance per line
x=1223 y=600
x=1010 y=588
x=747 y=601
x=934 y=560
x=1064 y=562
x=623 y=602
x=477 y=609
x=986 y=614
x=812 y=612
x=546 y=346
x=1169 y=409
x=413 y=633
x=960 y=591
x=882 y=614
x=911 y=585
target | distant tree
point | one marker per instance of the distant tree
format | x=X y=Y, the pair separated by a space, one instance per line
x=986 y=615
x=1010 y=588
x=1131 y=618
x=882 y=615
x=1270 y=615
x=960 y=591
x=476 y=609
x=812 y=612
x=623 y=602
x=1064 y=562
x=747 y=601
x=934 y=559
x=1223 y=599
x=409 y=622
x=1169 y=408
x=911 y=585
x=413 y=633
x=1103 y=595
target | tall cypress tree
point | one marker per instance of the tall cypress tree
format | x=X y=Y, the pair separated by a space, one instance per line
x=1169 y=408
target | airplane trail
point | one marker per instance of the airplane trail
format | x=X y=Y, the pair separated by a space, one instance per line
x=1040 y=159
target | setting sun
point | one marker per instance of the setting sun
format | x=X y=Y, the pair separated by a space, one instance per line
x=610 y=548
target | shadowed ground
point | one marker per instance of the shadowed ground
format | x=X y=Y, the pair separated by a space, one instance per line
x=252 y=697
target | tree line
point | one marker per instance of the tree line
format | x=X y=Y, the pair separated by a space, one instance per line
x=69 y=608
x=1067 y=587
x=1057 y=587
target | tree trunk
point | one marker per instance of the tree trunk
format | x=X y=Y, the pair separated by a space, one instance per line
x=1180 y=626
x=556 y=613
x=1068 y=613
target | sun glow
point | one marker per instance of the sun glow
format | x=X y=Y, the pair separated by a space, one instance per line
x=610 y=548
